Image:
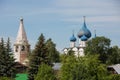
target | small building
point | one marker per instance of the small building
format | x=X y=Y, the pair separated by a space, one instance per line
x=56 y=66
x=21 y=68
x=114 y=69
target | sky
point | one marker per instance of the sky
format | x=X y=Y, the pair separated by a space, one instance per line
x=57 y=19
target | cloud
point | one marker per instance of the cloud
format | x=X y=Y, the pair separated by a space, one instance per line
x=95 y=19
x=66 y=9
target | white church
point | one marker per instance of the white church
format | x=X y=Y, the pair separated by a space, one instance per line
x=84 y=34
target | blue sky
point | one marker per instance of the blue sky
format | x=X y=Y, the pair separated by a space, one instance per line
x=57 y=19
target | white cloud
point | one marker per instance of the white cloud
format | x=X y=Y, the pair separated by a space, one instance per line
x=68 y=8
x=95 y=19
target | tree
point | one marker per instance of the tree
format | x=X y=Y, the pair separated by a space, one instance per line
x=45 y=72
x=8 y=48
x=5 y=78
x=68 y=63
x=96 y=70
x=114 y=77
x=99 y=45
x=114 y=55
x=38 y=56
x=82 y=68
x=52 y=51
x=7 y=63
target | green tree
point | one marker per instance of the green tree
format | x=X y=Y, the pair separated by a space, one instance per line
x=67 y=69
x=52 y=51
x=99 y=45
x=5 y=78
x=114 y=55
x=82 y=68
x=8 y=48
x=114 y=77
x=38 y=56
x=45 y=72
x=96 y=70
x=7 y=63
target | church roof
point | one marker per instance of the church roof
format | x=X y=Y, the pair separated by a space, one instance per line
x=116 y=68
x=21 y=37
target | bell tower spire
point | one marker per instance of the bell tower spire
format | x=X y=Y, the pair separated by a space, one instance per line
x=21 y=46
x=21 y=33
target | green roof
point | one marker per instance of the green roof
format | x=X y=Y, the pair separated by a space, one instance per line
x=21 y=77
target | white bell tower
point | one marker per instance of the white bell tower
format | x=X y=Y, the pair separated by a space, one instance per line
x=21 y=46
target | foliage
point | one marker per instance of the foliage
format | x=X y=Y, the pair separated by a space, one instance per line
x=7 y=63
x=52 y=51
x=39 y=56
x=113 y=77
x=8 y=48
x=96 y=70
x=99 y=45
x=68 y=64
x=82 y=68
x=45 y=72
x=114 y=55
x=63 y=57
x=6 y=78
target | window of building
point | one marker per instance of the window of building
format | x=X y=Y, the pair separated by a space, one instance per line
x=23 y=48
x=16 y=49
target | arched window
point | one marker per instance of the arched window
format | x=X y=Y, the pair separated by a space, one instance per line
x=23 y=48
x=16 y=49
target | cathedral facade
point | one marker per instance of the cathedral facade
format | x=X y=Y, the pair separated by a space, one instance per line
x=83 y=35
x=21 y=45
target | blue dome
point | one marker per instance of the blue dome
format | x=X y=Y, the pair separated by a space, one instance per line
x=84 y=38
x=84 y=31
x=73 y=39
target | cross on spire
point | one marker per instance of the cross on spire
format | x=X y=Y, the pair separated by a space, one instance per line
x=95 y=33
x=84 y=18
